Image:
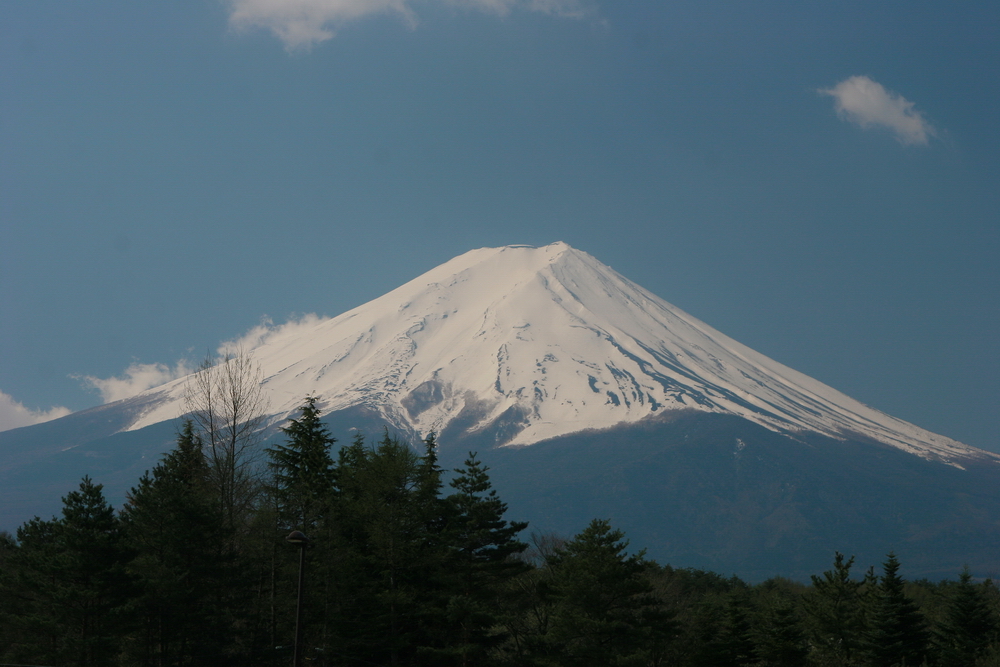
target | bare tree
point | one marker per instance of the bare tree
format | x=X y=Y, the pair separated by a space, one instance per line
x=226 y=402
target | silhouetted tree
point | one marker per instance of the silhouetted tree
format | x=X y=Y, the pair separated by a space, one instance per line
x=302 y=471
x=480 y=544
x=70 y=583
x=181 y=566
x=968 y=627
x=779 y=638
x=390 y=550
x=836 y=612
x=604 y=610
x=896 y=634
x=227 y=405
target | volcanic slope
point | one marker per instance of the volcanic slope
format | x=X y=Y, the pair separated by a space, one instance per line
x=587 y=396
x=521 y=344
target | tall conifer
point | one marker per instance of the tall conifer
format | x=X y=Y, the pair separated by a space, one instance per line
x=480 y=545
x=180 y=567
x=71 y=582
x=604 y=612
x=388 y=517
x=302 y=471
x=835 y=609
x=897 y=633
x=969 y=626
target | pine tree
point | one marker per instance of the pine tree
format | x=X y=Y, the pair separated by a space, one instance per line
x=604 y=610
x=835 y=609
x=780 y=640
x=300 y=493
x=70 y=583
x=180 y=566
x=969 y=626
x=480 y=545
x=389 y=551
x=896 y=635
x=735 y=646
x=303 y=471
x=8 y=592
x=28 y=577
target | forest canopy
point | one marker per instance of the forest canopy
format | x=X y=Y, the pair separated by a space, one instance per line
x=404 y=568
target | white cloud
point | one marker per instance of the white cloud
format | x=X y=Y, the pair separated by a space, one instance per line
x=301 y=24
x=14 y=415
x=564 y=8
x=267 y=331
x=137 y=378
x=865 y=102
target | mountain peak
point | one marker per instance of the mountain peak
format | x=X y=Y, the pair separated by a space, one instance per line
x=526 y=343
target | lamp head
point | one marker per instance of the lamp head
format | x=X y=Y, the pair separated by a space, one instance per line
x=298 y=538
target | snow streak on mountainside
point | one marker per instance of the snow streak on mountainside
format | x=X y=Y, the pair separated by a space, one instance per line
x=539 y=342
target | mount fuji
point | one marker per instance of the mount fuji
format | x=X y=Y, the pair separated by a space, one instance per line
x=589 y=396
x=527 y=344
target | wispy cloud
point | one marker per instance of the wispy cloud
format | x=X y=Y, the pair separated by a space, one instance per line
x=301 y=24
x=136 y=378
x=14 y=415
x=867 y=103
x=267 y=331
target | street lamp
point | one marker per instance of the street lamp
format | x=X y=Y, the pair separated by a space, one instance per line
x=299 y=539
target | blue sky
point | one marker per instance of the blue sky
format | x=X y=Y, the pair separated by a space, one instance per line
x=820 y=181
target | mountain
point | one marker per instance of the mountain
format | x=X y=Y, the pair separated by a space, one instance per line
x=529 y=344
x=541 y=357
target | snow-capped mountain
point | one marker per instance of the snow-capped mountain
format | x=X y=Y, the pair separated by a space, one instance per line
x=528 y=344
x=704 y=451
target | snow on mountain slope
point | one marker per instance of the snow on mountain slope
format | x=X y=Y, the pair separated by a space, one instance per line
x=550 y=341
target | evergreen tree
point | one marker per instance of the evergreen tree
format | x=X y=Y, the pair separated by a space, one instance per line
x=480 y=546
x=390 y=550
x=969 y=626
x=604 y=610
x=303 y=471
x=28 y=579
x=711 y=614
x=70 y=583
x=735 y=644
x=300 y=494
x=180 y=566
x=8 y=592
x=896 y=635
x=835 y=608
x=780 y=640
x=430 y=470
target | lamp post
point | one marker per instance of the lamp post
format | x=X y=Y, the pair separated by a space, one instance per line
x=299 y=539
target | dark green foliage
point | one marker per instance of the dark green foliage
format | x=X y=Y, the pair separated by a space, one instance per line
x=480 y=547
x=524 y=605
x=404 y=570
x=181 y=566
x=390 y=551
x=779 y=638
x=302 y=471
x=969 y=626
x=300 y=496
x=28 y=579
x=9 y=609
x=604 y=610
x=70 y=583
x=736 y=644
x=896 y=633
x=836 y=609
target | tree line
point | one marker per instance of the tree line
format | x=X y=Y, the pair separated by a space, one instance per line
x=405 y=569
